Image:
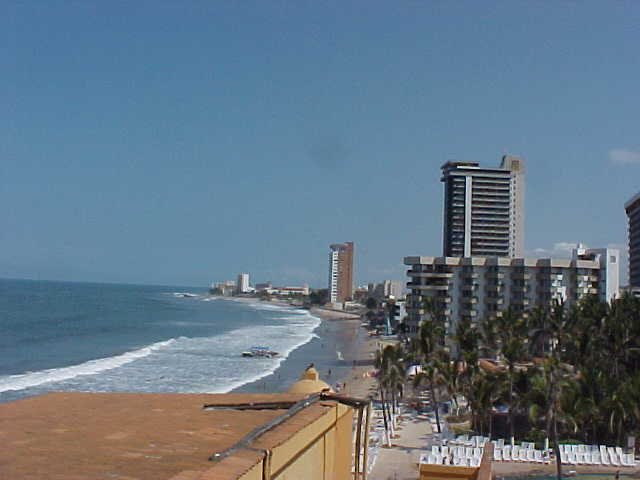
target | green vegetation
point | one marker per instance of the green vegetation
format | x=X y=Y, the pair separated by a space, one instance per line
x=391 y=379
x=319 y=297
x=561 y=373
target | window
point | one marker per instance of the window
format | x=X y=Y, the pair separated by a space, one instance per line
x=612 y=259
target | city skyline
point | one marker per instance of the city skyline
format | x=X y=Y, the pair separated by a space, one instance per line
x=136 y=150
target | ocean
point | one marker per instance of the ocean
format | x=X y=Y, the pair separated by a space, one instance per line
x=133 y=338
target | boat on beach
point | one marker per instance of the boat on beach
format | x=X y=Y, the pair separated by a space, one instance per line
x=260 y=351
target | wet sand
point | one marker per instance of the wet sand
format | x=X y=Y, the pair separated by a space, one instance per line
x=341 y=351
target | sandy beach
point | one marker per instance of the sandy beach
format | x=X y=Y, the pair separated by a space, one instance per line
x=341 y=351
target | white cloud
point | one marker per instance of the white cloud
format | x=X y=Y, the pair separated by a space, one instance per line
x=621 y=156
x=559 y=250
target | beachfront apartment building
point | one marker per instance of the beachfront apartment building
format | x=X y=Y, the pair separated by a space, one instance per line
x=632 y=208
x=476 y=287
x=242 y=285
x=340 y=272
x=483 y=209
x=386 y=288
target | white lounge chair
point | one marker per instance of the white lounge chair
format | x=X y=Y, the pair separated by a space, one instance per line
x=515 y=452
x=615 y=461
x=531 y=455
x=537 y=455
x=522 y=454
x=506 y=453
x=497 y=454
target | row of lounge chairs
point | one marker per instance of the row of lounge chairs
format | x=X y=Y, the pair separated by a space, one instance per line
x=466 y=441
x=455 y=461
x=450 y=455
x=467 y=451
x=595 y=455
x=520 y=453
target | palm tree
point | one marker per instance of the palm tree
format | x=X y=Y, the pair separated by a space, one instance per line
x=390 y=381
x=546 y=401
x=432 y=374
x=429 y=345
x=506 y=336
x=556 y=376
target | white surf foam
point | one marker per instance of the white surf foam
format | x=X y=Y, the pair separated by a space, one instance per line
x=201 y=364
x=92 y=367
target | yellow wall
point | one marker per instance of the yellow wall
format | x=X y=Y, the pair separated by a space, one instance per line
x=321 y=450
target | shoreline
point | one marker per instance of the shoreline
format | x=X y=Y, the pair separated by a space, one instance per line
x=340 y=350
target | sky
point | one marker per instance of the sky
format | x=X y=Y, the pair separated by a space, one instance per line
x=183 y=142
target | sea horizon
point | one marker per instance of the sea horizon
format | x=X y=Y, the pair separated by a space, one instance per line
x=97 y=336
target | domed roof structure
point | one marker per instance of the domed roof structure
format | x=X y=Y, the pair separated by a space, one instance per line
x=309 y=383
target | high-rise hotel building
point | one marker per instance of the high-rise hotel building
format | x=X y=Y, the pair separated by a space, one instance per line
x=484 y=209
x=475 y=287
x=632 y=207
x=340 y=272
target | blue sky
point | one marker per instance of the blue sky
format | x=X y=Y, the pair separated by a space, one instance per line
x=181 y=143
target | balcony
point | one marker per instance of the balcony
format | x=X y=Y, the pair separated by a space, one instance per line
x=442 y=299
x=414 y=273
x=466 y=301
x=494 y=301
x=414 y=286
x=497 y=275
x=521 y=276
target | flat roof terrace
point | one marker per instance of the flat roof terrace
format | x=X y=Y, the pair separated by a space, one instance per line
x=140 y=436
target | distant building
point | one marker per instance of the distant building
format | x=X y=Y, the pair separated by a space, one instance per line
x=263 y=286
x=483 y=209
x=340 y=272
x=286 y=291
x=632 y=207
x=609 y=278
x=242 y=285
x=386 y=289
x=226 y=288
x=397 y=312
x=475 y=287
x=361 y=294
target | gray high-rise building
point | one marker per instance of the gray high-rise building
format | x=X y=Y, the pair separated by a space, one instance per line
x=484 y=209
x=632 y=207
